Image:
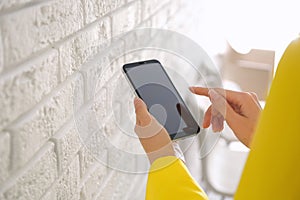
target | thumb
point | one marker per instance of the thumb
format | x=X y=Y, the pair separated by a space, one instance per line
x=143 y=117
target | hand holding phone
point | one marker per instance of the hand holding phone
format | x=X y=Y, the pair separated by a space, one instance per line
x=153 y=85
x=152 y=135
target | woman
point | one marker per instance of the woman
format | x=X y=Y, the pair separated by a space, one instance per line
x=272 y=170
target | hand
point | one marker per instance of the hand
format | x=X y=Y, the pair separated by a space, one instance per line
x=241 y=111
x=153 y=136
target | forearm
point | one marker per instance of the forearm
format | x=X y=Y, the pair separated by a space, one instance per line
x=158 y=146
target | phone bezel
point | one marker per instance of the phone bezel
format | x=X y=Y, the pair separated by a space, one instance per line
x=139 y=63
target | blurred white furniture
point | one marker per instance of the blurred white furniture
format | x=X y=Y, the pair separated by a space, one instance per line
x=224 y=166
x=253 y=71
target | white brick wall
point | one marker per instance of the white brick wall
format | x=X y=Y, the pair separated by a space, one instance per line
x=49 y=61
x=27 y=85
x=5 y=156
x=33 y=28
x=35 y=178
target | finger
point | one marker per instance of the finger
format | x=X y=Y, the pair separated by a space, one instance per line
x=207 y=118
x=231 y=96
x=142 y=115
x=254 y=95
x=217 y=122
x=255 y=98
x=214 y=118
x=222 y=106
x=199 y=90
x=217 y=119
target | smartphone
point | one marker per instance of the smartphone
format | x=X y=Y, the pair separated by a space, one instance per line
x=152 y=84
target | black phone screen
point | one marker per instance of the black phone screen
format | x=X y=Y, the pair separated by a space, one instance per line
x=153 y=85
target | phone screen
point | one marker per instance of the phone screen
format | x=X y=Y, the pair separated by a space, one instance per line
x=153 y=85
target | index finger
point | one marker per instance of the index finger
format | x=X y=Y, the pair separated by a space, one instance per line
x=229 y=95
x=200 y=91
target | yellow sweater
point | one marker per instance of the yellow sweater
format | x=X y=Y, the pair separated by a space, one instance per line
x=272 y=170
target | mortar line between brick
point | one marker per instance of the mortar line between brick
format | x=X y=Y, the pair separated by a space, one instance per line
x=83 y=12
x=12 y=153
x=149 y=17
x=26 y=64
x=176 y=11
x=58 y=178
x=18 y=173
x=61 y=130
x=105 y=182
x=141 y=9
x=55 y=46
x=80 y=157
x=58 y=74
x=95 y=22
x=56 y=151
x=162 y=7
x=85 y=28
x=90 y=170
x=128 y=4
x=55 y=139
x=10 y=134
x=155 y=12
x=111 y=27
x=11 y=68
x=85 y=86
x=37 y=106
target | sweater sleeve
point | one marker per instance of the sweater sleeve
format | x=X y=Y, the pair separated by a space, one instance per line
x=170 y=179
x=272 y=170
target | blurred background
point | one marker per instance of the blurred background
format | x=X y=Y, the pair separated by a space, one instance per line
x=245 y=40
x=66 y=113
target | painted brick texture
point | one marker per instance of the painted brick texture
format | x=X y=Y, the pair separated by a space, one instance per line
x=59 y=90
